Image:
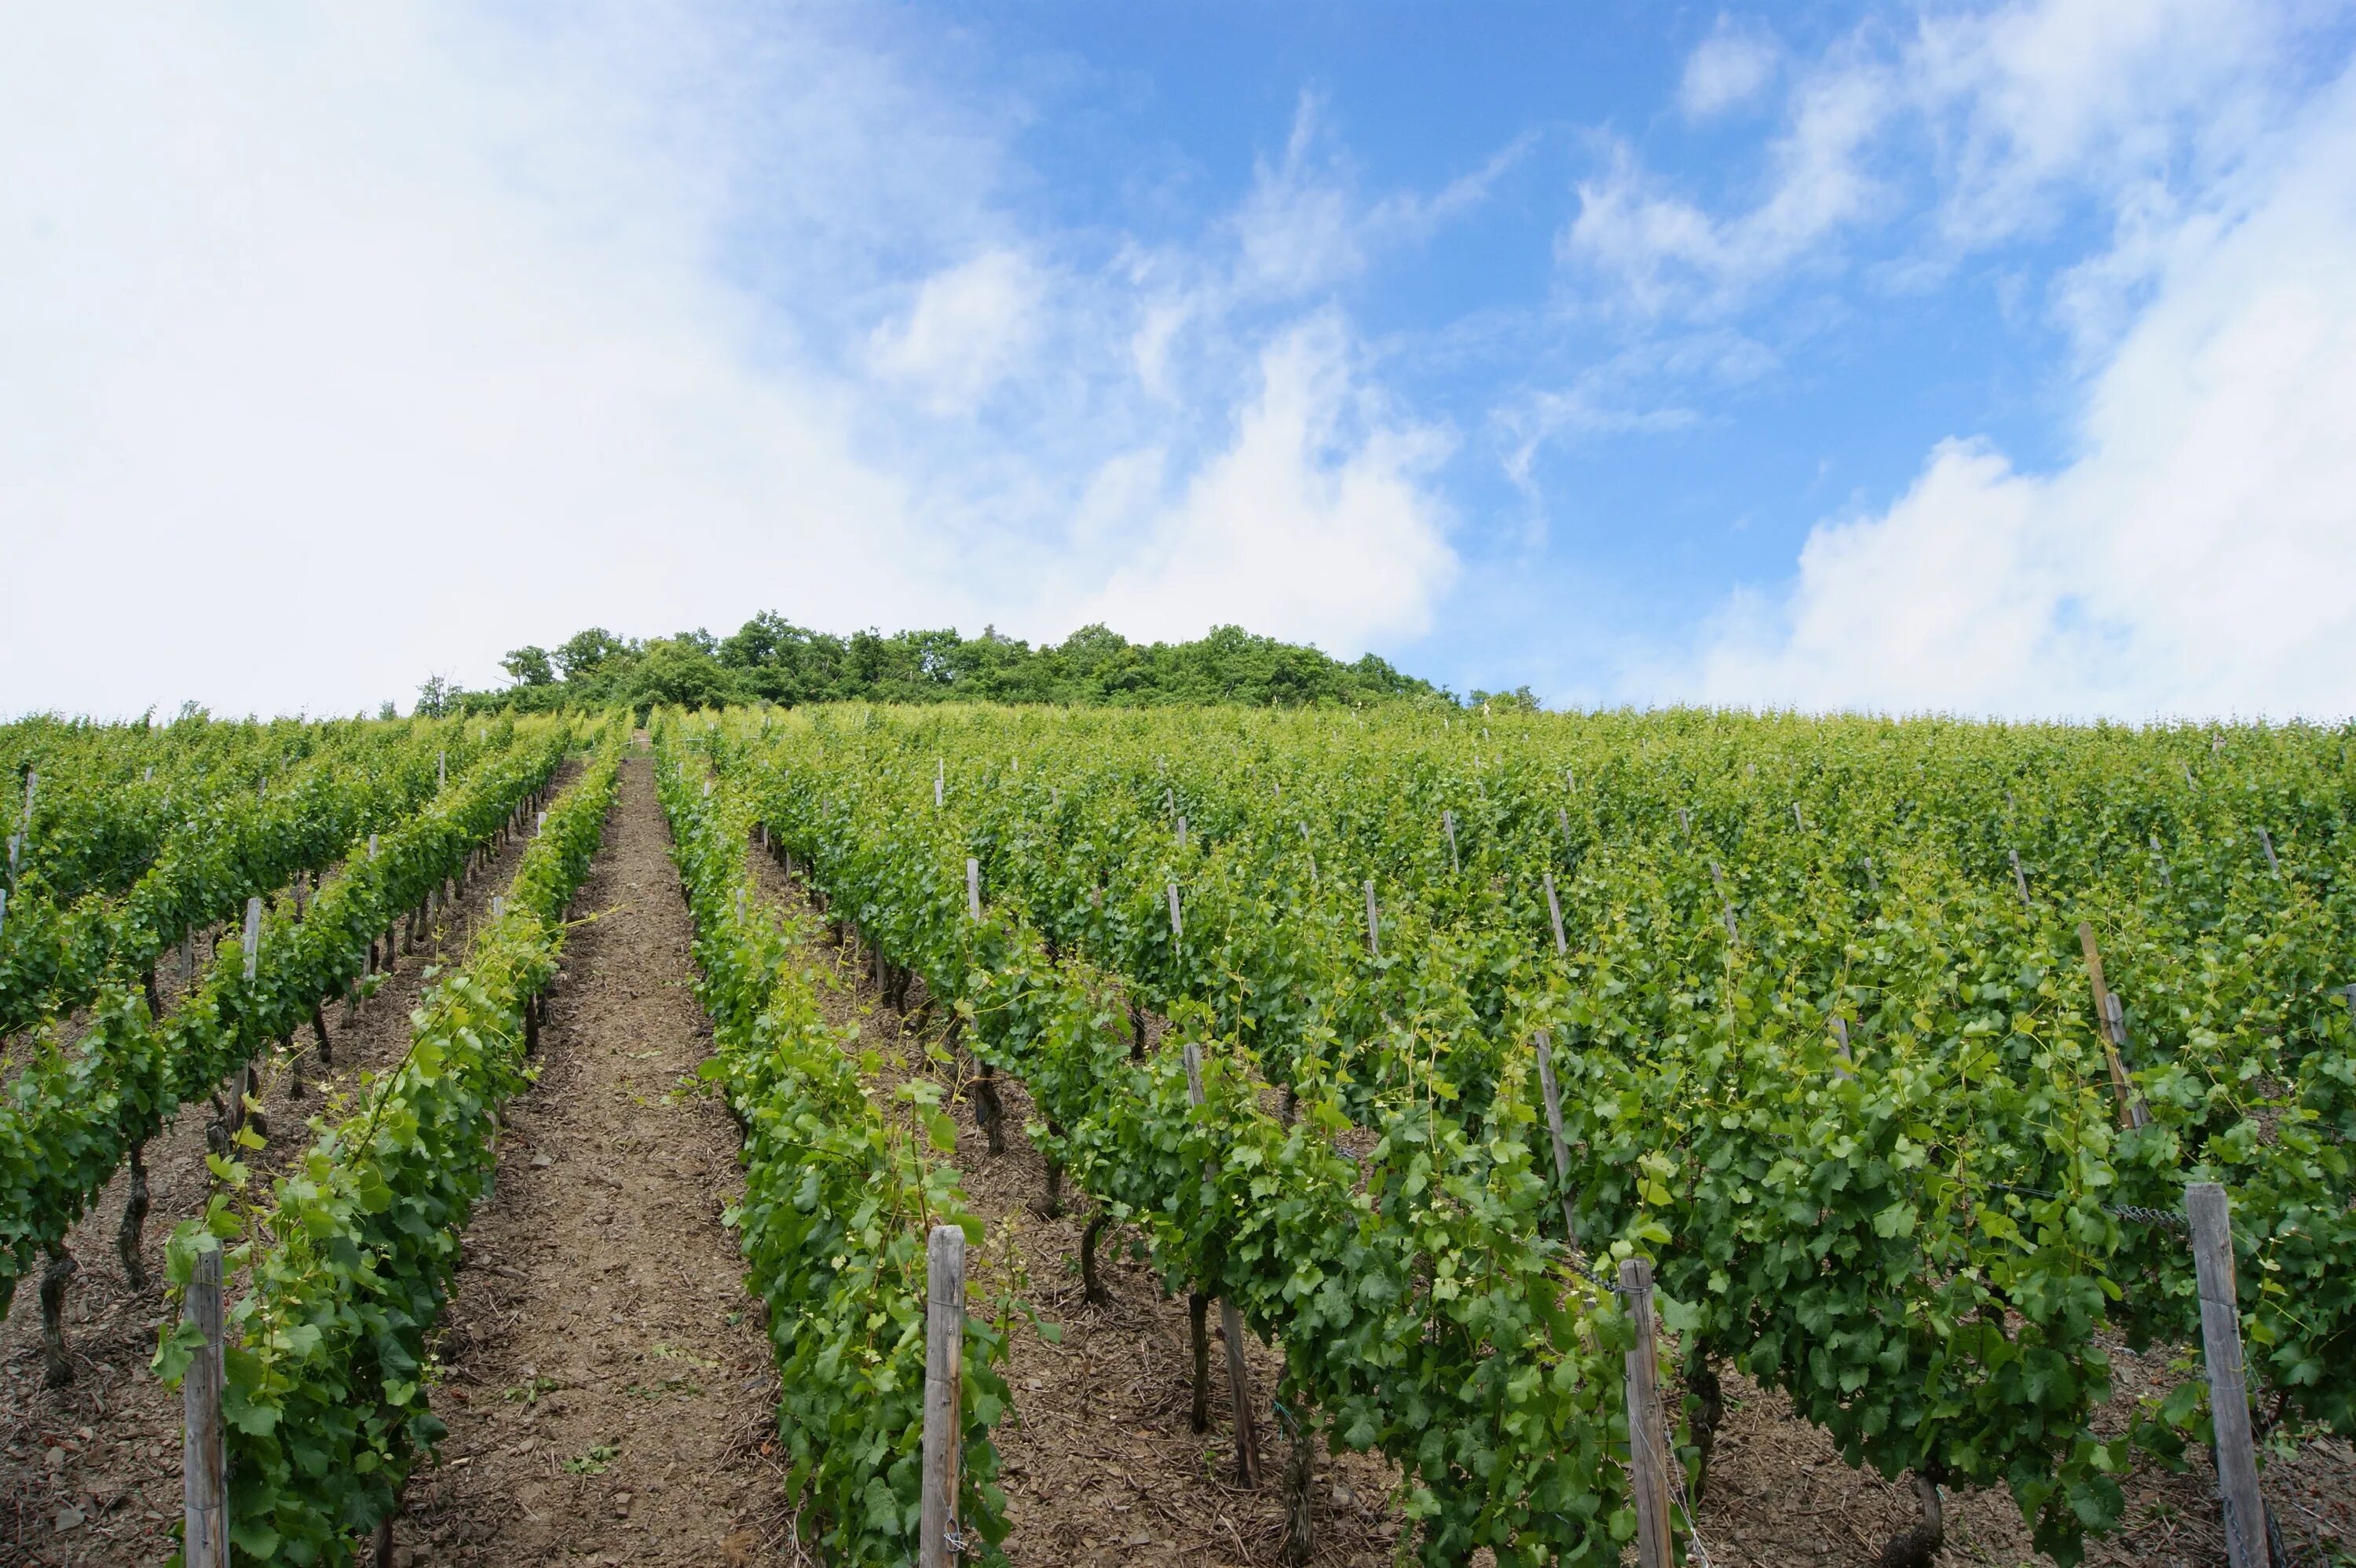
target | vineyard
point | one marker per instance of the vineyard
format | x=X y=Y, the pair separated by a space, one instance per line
x=859 y=1134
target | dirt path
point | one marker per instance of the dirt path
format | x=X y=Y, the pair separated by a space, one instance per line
x=90 y=1474
x=1101 y=1463
x=607 y=1380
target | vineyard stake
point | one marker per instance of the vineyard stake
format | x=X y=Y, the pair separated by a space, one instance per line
x=2220 y=1348
x=204 y=1454
x=1177 y=931
x=3 y=908
x=1554 y=913
x=1554 y=1128
x=2267 y=842
x=1718 y=880
x=973 y=888
x=2111 y=1021
x=1311 y=853
x=1448 y=824
x=1562 y=819
x=253 y=935
x=1649 y=1478
x=2165 y=879
x=1797 y=820
x=940 y=1546
x=1685 y=823
x=1840 y=1034
x=1871 y=880
x=1374 y=926
x=941 y=781
x=441 y=771
x=1231 y=1321
x=2020 y=879
x=1182 y=832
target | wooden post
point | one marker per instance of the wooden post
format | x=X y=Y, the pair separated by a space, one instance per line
x=1231 y=1321
x=973 y=888
x=1648 y=1468
x=2220 y=1348
x=441 y=770
x=2165 y=879
x=2267 y=842
x=204 y=1453
x=1448 y=825
x=540 y=825
x=940 y=780
x=1177 y=930
x=1562 y=820
x=3 y=908
x=2020 y=879
x=1718 y=880
x=2111 y=1021
x=253 y=935
x=1182 y=832
x=1554 y=913
x=1797 y=820
x=371 y=846
x=1311 y=853
x=1554 y=1128
x=1847 y=1069
x=1374 y=923
x=1872 y=879
x=1685 y=823
x=939 y=1546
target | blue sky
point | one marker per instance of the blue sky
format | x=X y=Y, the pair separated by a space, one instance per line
x=1983 y=357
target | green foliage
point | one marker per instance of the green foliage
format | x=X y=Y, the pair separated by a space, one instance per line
x=529 y=666
x=70 y=1116
x=226 y=843
x=769 y=659
x=439 y=697
x=1923 y=1242
x=349 y=1264
x=1411 y=1289
x=834 y=1220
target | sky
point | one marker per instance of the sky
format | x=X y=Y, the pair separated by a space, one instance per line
x=1988 y=358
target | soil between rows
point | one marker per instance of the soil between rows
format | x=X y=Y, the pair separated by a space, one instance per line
x=1101 y=1465
x=90 y=1474
x=606 y=1377
x=1779 y=1494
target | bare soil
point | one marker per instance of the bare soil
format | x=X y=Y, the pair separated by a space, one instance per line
x=1780 y=1496
x=1101 y=1420
x=90 y=1474
x=1101 y=1465
x=605 y=1374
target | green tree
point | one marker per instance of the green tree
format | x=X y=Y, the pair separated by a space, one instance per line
x=530 y=665
x=585 y=652
x=439 y=697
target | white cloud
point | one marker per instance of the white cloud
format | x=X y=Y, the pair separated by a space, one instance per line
x=969 y=327
x=1314 y=523
x=2187 y=560
x=1664 y=251
x=1305 y=227
x=343 y=345
x=2008 y=112
x=1729 y=68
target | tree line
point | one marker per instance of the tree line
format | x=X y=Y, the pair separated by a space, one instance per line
x=770 y=659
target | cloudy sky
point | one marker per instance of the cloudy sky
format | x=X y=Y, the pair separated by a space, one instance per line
x=1992 y=358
